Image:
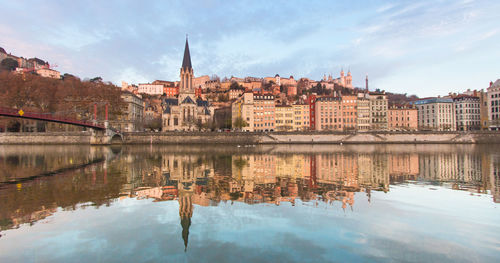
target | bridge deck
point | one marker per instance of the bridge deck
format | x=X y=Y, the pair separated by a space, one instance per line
x=8 y=112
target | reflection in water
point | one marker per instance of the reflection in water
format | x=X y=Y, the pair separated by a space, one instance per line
x=205 y=177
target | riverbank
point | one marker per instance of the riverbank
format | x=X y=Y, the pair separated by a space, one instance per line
x=245 y=138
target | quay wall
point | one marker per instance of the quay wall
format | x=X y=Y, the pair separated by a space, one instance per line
x=45 y=138
x=245 y=138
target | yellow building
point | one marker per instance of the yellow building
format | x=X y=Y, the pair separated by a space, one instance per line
x=300 y=117
x=243 y=108
x=284 y=116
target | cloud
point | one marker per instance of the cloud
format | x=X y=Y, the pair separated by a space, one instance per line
x=116 y=39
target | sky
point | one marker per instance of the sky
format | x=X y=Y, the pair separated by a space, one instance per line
x=427 y=48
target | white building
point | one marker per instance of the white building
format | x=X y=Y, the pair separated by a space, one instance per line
x=378 y=110
x=151 y=89
x=467 y=112
x=48 y=73
x=436 y=114
x=363 y=111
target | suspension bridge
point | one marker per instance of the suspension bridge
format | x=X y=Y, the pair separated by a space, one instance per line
x=102 y=133
x=16 y=113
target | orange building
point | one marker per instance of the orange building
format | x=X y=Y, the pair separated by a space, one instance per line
x=171 y=91
x=291 y=91
x=402 y=117
x=264 y=113
x=349 y=112
x=328 y=114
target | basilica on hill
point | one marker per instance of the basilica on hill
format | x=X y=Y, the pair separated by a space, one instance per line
x=186 y=112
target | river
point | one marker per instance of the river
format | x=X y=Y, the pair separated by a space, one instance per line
x=247 y=203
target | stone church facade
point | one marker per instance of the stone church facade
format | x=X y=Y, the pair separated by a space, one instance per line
x=185 y=112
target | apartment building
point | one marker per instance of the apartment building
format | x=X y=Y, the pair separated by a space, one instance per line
x=329 y=114
x=494 y=106
x=467 y=112
x=378 y=110
x=284 y=117
x=301 y=117
x=243 y=107
x=349 y=112
x=363 y=112
x=264 y=111
x=402 y=117
x=436 y=114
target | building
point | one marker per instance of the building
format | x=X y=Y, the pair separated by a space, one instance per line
x=349 y=112
x=494 y=106
x=291 y=91
x=311 y=101
x=200 y=82
x=378 y=110
x=436 y=114
x=329 y=82
x=171 y=91
x=48 y=73
x=133 y=118
x=402 y=117
x=186 y=112
x=483 y=109
x=284 y=118
x=235 y=92
x=467 y=112
x=264 y=112
x=329 y=114
x=301 y=117
x=363 y=112
x=243 y=108
x=151 y=89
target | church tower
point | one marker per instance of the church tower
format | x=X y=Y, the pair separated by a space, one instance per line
x=186 y=83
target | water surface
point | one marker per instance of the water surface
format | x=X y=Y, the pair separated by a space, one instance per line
x=300 y=203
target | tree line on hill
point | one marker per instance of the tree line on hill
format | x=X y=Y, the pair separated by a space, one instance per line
x=69 y=97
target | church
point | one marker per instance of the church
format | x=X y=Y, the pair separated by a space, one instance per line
x=186 y=112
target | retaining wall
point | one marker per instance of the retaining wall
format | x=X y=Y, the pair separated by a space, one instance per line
x=260 y=138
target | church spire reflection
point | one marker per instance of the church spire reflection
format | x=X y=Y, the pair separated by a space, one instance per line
x=185 y=213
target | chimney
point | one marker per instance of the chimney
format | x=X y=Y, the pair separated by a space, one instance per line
x=366 y=83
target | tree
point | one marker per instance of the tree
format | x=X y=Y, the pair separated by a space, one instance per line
x=96 y=79
x=234 y=85
x=9 y=64
x=239 y=123
x=223 y=98
x=153 y=124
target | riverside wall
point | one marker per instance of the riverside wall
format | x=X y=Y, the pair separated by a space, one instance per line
x=245 y=138
x=45 y=138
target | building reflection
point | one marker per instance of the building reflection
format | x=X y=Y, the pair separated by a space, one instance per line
x=339 y=179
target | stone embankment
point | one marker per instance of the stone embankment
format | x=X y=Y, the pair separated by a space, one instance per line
x=245 y=138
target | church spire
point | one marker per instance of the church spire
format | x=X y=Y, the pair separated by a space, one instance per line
x=186 y=61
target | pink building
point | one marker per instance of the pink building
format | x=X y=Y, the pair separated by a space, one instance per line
x=402 y=117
